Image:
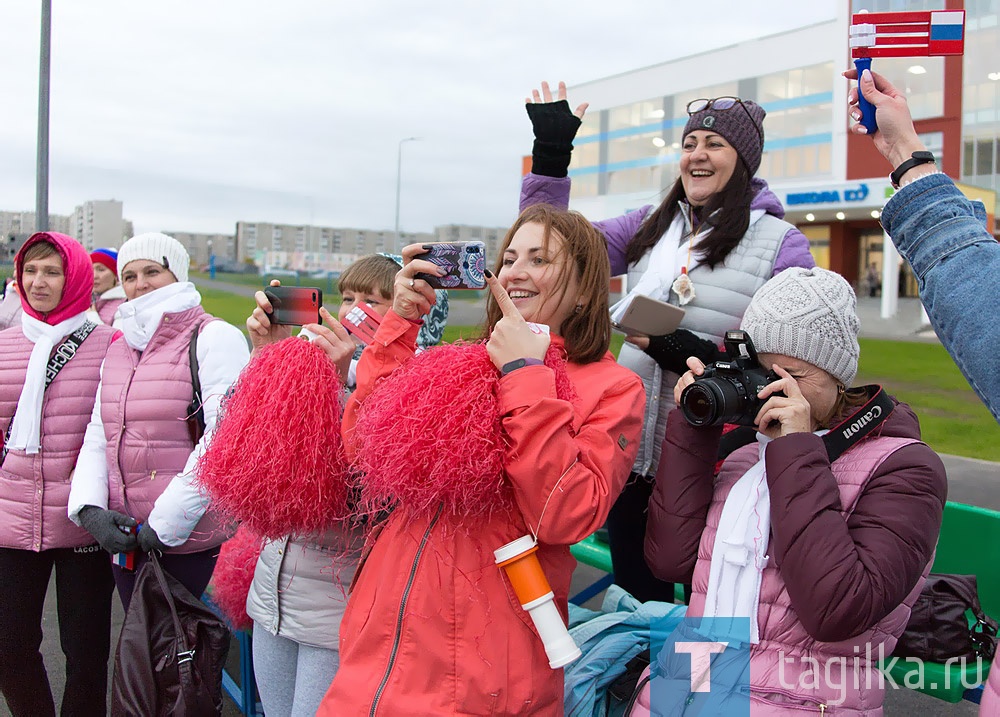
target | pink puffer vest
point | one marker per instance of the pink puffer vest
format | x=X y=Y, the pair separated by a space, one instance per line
x=800 y=684
x=106 y=309
x=144 y=405
x=34 y=489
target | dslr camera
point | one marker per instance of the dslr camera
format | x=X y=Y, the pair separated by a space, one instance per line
x=727 y=391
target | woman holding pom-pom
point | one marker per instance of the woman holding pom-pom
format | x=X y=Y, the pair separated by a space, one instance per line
x=300 y=580
x=471 y=447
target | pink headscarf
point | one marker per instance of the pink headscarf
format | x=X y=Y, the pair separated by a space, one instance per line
x=77 y=267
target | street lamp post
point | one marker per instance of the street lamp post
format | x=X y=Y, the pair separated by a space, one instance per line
x=42 y=168
x=399 y=171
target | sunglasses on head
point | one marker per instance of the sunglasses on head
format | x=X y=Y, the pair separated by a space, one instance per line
x=722 y=103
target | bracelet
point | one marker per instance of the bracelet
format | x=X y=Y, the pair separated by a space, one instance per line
x=519 y=363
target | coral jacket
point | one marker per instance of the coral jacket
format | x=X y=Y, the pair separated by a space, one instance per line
x=432 y=626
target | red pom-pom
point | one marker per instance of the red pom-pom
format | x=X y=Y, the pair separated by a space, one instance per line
x=233 y=576
x=431 y=434
x=276 y=461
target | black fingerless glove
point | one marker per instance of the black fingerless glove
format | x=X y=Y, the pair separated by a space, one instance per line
x=671 y=351
x=555 y=126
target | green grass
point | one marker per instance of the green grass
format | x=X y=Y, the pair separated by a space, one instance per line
x=952 y=419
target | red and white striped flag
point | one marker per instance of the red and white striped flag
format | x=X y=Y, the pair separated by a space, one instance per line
x=908 y=34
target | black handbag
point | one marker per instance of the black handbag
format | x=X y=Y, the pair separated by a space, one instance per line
x=939 y=629
x=171 y=651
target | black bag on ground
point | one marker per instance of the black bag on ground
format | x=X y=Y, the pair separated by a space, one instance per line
x=939 y=629
x=171 y=651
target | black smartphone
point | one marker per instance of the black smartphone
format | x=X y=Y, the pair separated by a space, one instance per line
x=464 y=260
x=294 y=305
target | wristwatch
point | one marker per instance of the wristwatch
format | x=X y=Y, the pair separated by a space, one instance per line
x=917 y=158
x=519 y=363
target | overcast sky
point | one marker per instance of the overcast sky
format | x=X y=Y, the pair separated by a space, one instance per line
x=200 y=113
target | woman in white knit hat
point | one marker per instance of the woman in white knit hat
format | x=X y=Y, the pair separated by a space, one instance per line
x=137 y=465
x=819 y=534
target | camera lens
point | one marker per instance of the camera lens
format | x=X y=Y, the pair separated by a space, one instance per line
x=714 y=401
x=698 y=404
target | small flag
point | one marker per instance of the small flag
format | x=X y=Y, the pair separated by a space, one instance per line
x=908 y=34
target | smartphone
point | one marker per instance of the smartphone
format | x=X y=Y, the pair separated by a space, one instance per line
x=294 y=305
x=362 y=322
x=464 y=260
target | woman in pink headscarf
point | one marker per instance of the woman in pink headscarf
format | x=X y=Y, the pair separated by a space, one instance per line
x=49 y=372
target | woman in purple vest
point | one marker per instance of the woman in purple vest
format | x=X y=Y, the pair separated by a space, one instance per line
x=137 y=465
x=43 y=418
x=821 y=558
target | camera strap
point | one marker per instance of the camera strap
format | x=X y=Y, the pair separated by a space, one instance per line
x=840 y=439
x=859 y=424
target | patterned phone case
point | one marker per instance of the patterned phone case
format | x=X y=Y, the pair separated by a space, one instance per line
x=465 y=262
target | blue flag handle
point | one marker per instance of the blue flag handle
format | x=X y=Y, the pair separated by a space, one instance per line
x=866 y=107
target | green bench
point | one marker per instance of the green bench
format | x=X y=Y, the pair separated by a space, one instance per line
x=969 y=545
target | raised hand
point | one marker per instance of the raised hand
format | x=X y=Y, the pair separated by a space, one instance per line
x=545 y=97
x=412 y=298
x=512 y=337
x=262 y=332
x=896 y=138
x=336 y=343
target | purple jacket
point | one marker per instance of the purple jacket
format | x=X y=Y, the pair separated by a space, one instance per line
x=144 y=402
x=850 y=545
x=34 y=489
x=618 y=232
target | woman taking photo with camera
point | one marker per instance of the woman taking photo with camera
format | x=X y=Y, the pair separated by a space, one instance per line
x=432 y=625
x=49 y=371
x=716 y=237
x=825 y=557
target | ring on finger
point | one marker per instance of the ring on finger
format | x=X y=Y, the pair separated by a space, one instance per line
x=412 y=282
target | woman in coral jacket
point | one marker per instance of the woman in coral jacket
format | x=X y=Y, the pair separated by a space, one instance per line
x=138 y=459
x=824 y=559
x=43 y=427
x=432 y=625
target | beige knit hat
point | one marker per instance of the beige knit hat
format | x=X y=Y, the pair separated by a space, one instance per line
x=811 y=315
x=156 y=247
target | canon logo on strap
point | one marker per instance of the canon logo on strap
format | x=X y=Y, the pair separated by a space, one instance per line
x=873 y=414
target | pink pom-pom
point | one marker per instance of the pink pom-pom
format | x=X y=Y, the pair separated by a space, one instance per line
x=431 y=434
x=276 y=461
x=233 y=576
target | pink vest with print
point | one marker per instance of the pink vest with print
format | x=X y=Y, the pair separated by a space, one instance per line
x=144 y=405
x=781 y=633
x=34 y=489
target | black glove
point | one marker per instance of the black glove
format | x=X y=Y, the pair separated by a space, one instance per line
x=671 y=351
x=106 y=527
x=150 y=541
x=555 y=126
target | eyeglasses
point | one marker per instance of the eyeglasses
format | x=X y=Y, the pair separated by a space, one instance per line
x=723 y=103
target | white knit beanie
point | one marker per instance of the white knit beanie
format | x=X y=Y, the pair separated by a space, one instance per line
x=156 y=247
x=809 y=314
